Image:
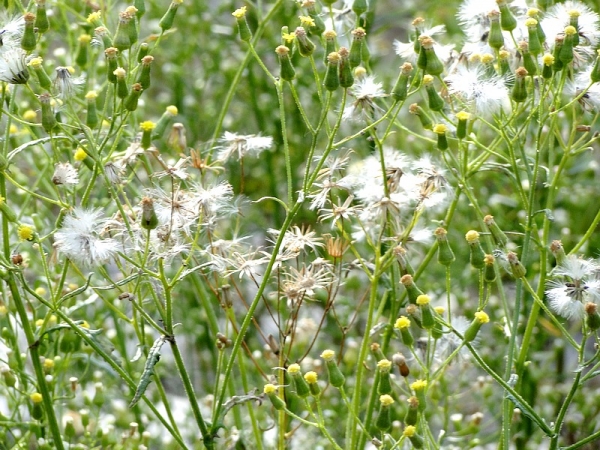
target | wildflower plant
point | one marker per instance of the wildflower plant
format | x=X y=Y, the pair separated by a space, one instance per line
x=277 y=224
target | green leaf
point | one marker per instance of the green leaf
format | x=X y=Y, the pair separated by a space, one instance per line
x=153 y=358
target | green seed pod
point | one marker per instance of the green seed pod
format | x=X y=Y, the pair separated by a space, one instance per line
x=41 y=17
x=423 y=117
x=558 y=45
x=566 y=52
x=305 y=45
x=412 y=290
x=122 y=89
x=131 y=101
x=330 y=45
x=332 y=80
x=595 y=73
x=498 y=235
x=495 y=38
x=360 y=7
x=507 y=19
x=489 y=271
x=400 y=91
x=433 y=65
x=319 y=26
x=144 y=77
x=436 y=103
x=111 y=64
x=385 y=384
x=356 y=47
x=535 y=45
x=48 y=119
x=422 y=59
x=440 y=130
x=427 y=318
x=528 y=62
x=519 y=90
x=344 y=70
x=518 y=270
x=143 y=51
x=28 y=41
x=122 y=41
x=82 y=50
x=287 y=71
x=445 y=253
x=384 y=418
x=592 y=318
x=91 y=118
x=412 y=414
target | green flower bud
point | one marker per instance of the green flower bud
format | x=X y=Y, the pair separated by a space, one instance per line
x=28 y=41
x=445 y=253
x=557 y=249
x=311 y=379
x=122 y=90
x=419 y=387
x=41 y=17
x=91 y=119
x=412 y=414
x=332 y=80
x=558 y=45
x=385 y=384
x=480 y=319
x=384 y=419
x=442 y=142
x=148 y=219
x=356 y=47
x=423 y=117
x=143 y=51
x=271 y=391
x=507 y=19
x=528 y=61
x=497 y=234
x=566 y=52
x=305 y=45
x=461 y=128
x=360 y=7
x=400 y=91
x=344 y=70
x=287 y=71
x=48 y=119
x=518 y=269
x=477 y=255
x=519 y=90
x=166 y=22
x=144 y=77
x=595 y=73
x=495 y=38
x=412 y=290
x=122 y=41
x=535 y=45
x=131 y=102
x=82 y=50
x=415 y=439
x=436 y=103
x=336 y=378
x=592 y=318
x=301 y=385
x=111 y=63
x=489 y=271
x=37 y=411
x=240 y=17
x=403 y=324
x=433 y=65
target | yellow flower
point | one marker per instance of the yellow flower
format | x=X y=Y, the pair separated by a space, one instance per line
x=423 y=300
x=307 y=21
x=270 y=388
x=482 y=317
x=328 y=355
x=36 y=397
x=80 y=154
x=419 y=385
x=386 y=400
x=288 y=37
x=310 y=377
x=147 y=125
x=239 y=13
x=402 y=322
x=25 y=232
x=294 y=368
